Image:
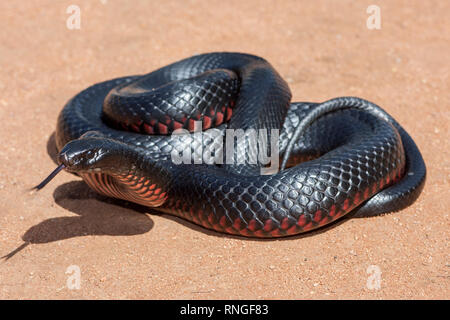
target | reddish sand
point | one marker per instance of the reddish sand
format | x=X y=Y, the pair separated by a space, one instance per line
x=323 y=49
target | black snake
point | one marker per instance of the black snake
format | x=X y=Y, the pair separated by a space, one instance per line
x=341 y=155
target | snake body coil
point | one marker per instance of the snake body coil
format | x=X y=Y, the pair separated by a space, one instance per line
x=341 y=155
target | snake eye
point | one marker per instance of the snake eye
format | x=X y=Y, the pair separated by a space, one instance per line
x=90 y=155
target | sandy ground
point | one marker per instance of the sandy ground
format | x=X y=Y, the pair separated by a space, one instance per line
x=323 y=48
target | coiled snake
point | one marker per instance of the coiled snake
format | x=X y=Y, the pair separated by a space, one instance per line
x=342 y=155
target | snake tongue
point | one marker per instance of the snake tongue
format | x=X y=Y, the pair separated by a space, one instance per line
x=50 y=177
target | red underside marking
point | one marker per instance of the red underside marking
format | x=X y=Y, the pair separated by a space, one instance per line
x=230 y=230
x=259 y=233
x=308 y=226
x=285 y=223
x=204 y=221
x=245 y=232
x=148 y=129
x=177 y=125
x=317 y=216
x=292 y=230
x=147 y=194
x=206 y=122
x=323 y=222
x=252 y=224
x=135 y=128
x=199 y=216
x=332 y=210
x=116 y=189
x=194 y=217
x=268 y=226
x=223 y=221
x=237 y=224
x=276 y=233
x=345 y=205
x=136 y=187
x=356 y=198
x=338 y=214
x=162 y=128
x=219 y=118
x=366 y=193
x=301 y=220
x=103 y=182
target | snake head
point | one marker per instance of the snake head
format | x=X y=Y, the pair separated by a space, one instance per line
x=90 y=154
x=122 y=164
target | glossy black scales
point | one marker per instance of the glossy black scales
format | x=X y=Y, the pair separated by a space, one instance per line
x=341 y=155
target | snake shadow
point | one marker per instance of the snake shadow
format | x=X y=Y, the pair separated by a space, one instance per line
x=95 y=215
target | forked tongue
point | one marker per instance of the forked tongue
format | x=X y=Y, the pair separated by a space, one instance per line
x=49 y=178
